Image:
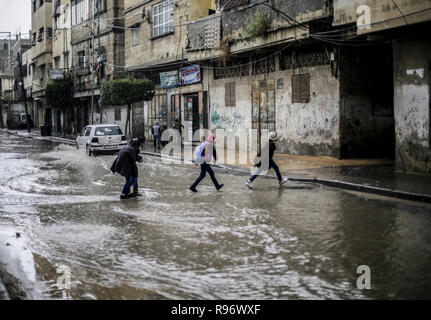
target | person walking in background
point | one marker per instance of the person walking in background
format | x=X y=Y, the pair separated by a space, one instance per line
x=179 y=127
x=202 y=155
x=269 y=150
x=156 y=131
x=125 y=165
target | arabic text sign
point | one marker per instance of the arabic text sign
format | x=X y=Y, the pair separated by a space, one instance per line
x=169 y=79
x=191 y=74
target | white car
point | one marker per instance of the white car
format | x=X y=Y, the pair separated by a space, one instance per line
x=101 y=138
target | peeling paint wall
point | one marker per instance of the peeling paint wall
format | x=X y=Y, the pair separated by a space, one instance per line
x=412 y=63
x=304 y=128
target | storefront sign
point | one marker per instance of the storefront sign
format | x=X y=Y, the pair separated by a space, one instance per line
x=169 y=79
x=56 y=75
x=190 y=75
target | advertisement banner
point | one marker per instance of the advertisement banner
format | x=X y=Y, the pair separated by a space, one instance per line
x=169 y=79
x=190 y=75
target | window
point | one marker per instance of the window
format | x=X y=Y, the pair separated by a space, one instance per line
x=163 y=18
x=100 y=5
x=65 y=13
x=40 y=3
x=33 y=5
x=230 y=95
x=108 y=131
x=66 y=60
x=49 y=33
x=136 y=35
x=80 y=11
x=117 y=114
x=301 y=88
x=33 y=41
x=81 y=59
x=57 y=63
x=40 y=36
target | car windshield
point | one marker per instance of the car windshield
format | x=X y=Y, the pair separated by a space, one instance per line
x=108 y=131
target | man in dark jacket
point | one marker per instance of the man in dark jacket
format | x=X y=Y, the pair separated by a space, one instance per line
x=125 y=165
x=269 y=150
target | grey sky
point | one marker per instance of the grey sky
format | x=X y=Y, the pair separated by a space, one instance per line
x=15 y=15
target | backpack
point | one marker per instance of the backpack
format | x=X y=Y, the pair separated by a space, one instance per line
x=197 y=154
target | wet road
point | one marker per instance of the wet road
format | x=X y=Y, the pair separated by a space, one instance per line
x=297 y=242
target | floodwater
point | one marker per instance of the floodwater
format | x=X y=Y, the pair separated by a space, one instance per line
x=301 y=241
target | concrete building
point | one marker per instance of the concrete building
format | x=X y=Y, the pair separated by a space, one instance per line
x=262 y=70
x=42 y=34
x=10 y=79
x=156 y=42
x=389 y=101
x=107 y=27
x=62 y=59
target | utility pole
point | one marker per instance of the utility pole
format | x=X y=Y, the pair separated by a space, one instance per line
x=99 y=58
x=23 y=90
x=92 y=63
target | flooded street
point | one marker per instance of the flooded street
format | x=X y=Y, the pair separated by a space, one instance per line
x=301 y=241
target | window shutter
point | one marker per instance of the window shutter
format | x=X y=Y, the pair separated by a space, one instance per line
x=301 y=88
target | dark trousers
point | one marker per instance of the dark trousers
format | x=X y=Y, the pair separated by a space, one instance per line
x=156 y=141
x=129 y=182
x=273 y=165
x=205 y=167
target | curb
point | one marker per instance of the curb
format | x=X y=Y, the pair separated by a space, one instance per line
x=391 y=193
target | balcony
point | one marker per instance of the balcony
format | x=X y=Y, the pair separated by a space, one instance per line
x=204 y=34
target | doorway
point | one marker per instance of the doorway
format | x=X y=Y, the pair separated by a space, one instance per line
x=191 y=114
x=367 y=123
x=263 y=104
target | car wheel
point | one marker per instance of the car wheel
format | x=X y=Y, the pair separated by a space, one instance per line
x=89 y=152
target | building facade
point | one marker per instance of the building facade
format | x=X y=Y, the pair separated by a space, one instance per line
x=156 y=48
x=392 y=80
x=42 y=33
x=97 y=48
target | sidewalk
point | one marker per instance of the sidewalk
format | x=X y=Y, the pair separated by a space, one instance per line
x=376 y=176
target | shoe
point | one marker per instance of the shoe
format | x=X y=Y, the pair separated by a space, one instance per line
x=193 y=189
x=219 y=187
x=283 y=181
x=137 y=194
x=249 y=184
x=124 y=196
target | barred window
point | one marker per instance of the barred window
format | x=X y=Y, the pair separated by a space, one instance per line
x=264 y=66
x=81 y=59
x=163 y=18
x=80 y=11
x=234 y=69
x=292 y=60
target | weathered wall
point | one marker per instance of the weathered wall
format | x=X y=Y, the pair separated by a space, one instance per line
x=62 y=36
x=384 y=14
x=200 y=8
x=412 y=104
x=158 y=50
x=304 y=128
x=366 y=93
x=111 y=43
x=109 y=117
